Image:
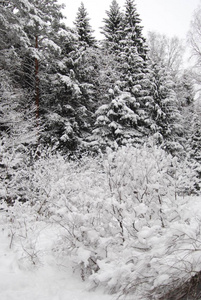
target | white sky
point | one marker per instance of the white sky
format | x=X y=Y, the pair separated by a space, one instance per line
x=170 y=17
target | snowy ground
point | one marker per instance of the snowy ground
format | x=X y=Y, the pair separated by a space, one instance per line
x=52 y=278
x=48 y=281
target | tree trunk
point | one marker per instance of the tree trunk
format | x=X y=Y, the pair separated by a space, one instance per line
x=36 y=80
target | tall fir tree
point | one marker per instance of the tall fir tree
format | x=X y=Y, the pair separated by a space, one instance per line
x=195 y=139
x=133 y=29
x=14 y=40
x=39 y=43
x=83 y=27
x=37 y=21
x=130 y=118
x=136 y=75
x=185 y=89
x=167 y=121
x=16 y=108
x=113 y=29
x=118 y=121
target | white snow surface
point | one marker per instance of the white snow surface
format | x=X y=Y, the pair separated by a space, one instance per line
x=49 y=280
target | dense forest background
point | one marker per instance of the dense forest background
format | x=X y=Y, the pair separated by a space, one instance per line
x=63 y=88
x=102 y=138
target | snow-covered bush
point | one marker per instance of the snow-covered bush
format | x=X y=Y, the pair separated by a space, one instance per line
x=121 y=218
x=13 y=172
x=138 y=212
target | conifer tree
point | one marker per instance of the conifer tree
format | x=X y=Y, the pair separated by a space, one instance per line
x=16 y=99
x=195 y=139
x=84 y=29
x=185 y=89
x=117 y=122
x=114 y=27
x=35 y=41
x=13 y=40
x=38 y=43
x=134 y=83
x=133 y=29
x=167 y=121
x=125 y=117
x=135 y=73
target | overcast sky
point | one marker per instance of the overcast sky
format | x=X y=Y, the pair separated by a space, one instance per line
x=170 y=17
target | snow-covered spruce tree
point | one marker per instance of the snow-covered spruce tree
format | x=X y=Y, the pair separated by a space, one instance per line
x=134 y=80
x=122 y=29
x=44 y=70
x=125 y=118
x=194 y=135
x=184 y=87
x=72 y=95
x=61 y=107
x=37 y=19
x=18 y=128
x=113 y=28
x=167 y=121
x=117 y=122
x=77 y=89
x=95 y=71
x=136 y=74
x=133 y=29
x=13 y=39
x=17 y=107
x=83 y=27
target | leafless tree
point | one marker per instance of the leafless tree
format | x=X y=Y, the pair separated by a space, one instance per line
x=194 y=38
x=168 y=51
